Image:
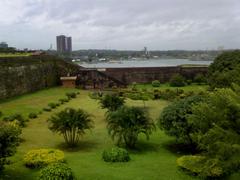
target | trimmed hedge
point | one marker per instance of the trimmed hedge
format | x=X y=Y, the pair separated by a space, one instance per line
x=43 y=157
x=56 y=171
x=116 y=154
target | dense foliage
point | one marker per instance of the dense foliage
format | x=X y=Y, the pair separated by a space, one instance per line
x=9 y=140
x=116 y=154
x=216 y=125
x=177 y=80
x=43 y=157
x=127 y=123
x=225 y=70
x=71 y=124
x=173 y=119
x=57 y=171
x=112 y=102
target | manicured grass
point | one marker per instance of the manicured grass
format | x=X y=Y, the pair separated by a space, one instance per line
x=33 y=102
x=15 y=54
x=153 y=159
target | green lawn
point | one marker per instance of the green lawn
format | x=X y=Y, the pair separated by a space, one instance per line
x=15 y=54
x=153 y=159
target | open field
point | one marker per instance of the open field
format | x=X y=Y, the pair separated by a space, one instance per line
x=153 y=159
x=15 y=54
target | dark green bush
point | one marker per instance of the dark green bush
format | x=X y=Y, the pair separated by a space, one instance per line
x=1 y=113
x=200 y=79
x=57 y=171
x=9 y=140
x=155 y=83
x=177 y=80
x=21 y=121
x=32 y=115
x=47 y=109
x=63 y=100
x=116 y=154
x=57 y=104
x=52 y=105
x=112 y=102
x=71 y=95
x=173 y=119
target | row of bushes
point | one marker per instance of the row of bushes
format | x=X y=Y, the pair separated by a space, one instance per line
x=167 y=94
x=69 y=96
x=178 y=80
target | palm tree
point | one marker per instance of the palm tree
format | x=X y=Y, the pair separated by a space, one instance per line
x=71 y=124
x=127 y=123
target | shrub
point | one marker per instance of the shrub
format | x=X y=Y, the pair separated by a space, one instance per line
x=43 y=157
x=200 y=78
x=57 y=104
x=56 y=171
x=63 y=100
x=9 y=140
x=47 y=109
x=134 y=86
x=71 y=95
x=116 y=154
x=127 y=123
x=201 y=165
x=1 y=113
x=32 y=115
x=112 y=102
x=155 y=83
x=173 y=119
x=21 y=121
x=52 y=105
x=71 y=124
x=177 y=80
x=95 y=95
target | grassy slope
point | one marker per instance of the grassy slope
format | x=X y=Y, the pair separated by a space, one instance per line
x=15 y=54
x=152 y=160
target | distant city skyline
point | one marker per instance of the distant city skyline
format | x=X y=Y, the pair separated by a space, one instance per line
x=122 y=25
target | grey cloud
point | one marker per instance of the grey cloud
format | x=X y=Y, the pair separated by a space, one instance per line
x=131 y=24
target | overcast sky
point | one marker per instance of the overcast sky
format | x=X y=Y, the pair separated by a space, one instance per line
x=122 y=24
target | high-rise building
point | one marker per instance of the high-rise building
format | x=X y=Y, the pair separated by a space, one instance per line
x=64 y=44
